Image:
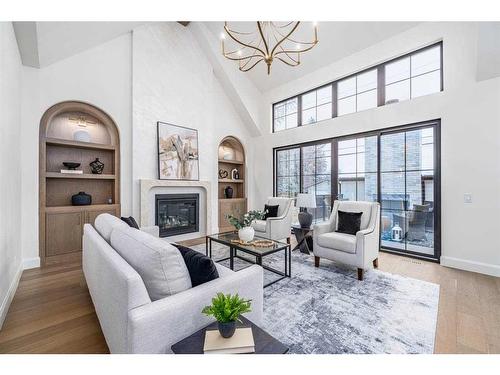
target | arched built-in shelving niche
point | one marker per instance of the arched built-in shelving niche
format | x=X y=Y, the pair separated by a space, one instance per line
x=78 y=132
x=231 y=156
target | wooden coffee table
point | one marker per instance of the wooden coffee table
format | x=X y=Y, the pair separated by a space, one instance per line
x=264 y=342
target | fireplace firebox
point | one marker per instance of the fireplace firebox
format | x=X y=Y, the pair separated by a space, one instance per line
x=177 y=213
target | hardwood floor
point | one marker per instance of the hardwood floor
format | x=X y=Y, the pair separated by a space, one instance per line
x=52 y=311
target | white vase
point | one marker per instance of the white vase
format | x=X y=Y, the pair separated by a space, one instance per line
x=246 y=234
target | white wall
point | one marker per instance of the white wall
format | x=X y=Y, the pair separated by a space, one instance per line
x=470 y=136
x=10 y=167
x=173 y=82
x=100 y=76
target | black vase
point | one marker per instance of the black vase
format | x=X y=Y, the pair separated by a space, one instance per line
x=227 y=330
x=81 y=199
x=228 y=192
x=97 y=166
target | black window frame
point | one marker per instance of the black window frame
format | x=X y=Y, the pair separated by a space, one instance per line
x=380 y=68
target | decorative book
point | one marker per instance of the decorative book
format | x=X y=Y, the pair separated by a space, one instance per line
x=241 y=342
x=71 y=171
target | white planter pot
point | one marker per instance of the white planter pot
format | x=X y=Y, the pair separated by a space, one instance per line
x=246 y=234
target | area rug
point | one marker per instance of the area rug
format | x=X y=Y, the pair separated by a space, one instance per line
x=327 y=310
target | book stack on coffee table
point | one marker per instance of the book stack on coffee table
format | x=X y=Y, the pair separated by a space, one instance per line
x=241 y=342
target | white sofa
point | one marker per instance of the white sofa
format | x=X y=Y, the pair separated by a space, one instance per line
x=360 y=250
x=131 y=323
x=276 y=228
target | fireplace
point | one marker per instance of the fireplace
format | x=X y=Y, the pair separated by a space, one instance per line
x=177 y=213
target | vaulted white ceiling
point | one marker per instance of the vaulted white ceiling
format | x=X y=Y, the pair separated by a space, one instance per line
x=336 y=41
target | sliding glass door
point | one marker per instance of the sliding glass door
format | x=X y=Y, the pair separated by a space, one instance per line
x=397 y=167
x=407 y=171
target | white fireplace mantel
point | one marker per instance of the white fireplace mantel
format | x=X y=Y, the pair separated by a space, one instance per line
x=147 y=185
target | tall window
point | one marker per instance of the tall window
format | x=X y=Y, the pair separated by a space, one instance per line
x=357 y=93
x=288 y=172
x=317 y=105
x=415 y=75
x=285 y=114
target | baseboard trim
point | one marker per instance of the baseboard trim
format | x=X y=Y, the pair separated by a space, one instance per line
x=4 y=307
x=469 y=265
x=29 y=263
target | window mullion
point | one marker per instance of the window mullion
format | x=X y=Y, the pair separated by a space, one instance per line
x=334 y=100
x=381 y=85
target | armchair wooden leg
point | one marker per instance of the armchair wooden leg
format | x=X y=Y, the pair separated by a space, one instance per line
x=360 y=274
x=316 y=261
x=375 y=263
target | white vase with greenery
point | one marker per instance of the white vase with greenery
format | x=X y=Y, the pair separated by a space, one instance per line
x=244 y=224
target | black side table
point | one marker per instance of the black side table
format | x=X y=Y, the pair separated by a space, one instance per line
x=304 y=239
x=264 y=342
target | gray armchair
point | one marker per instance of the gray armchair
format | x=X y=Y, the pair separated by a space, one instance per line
x=360 y=250
x=276 y=228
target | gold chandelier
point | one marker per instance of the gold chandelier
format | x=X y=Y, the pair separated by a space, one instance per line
x=270 y=41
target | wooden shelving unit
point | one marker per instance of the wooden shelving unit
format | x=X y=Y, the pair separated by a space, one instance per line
x=231 y=156
x=61 y=223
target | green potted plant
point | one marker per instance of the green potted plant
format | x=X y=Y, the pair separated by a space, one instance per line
x=226 y=309
x=244 y=224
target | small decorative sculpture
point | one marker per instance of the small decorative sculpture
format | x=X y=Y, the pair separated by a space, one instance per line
x=235 y=175
x=223 y=173
x=96 y=166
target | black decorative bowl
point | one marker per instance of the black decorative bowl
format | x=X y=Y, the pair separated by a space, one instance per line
x=71 y=165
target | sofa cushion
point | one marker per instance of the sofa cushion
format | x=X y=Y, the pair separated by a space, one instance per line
x=259 y=225
x=349 y=222
x=272 y=211
x=201 y=268
x=338 y=241
x=357 y=206
x=105 y=223
x=160 y=264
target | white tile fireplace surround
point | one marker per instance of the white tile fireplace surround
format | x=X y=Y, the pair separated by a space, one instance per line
x=149 y=188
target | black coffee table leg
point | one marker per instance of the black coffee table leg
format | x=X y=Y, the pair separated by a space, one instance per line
x=289 y=249
x=231 y=258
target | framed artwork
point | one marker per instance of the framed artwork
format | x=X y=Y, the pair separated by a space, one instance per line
x=177 y=152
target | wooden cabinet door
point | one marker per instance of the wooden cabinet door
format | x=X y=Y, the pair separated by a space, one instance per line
x=90 y=216
x=236 y=207
x=63 y=233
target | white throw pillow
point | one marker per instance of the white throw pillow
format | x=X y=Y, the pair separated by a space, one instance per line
x=160 y=264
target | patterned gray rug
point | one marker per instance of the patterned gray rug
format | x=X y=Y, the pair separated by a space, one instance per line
x=327 y=310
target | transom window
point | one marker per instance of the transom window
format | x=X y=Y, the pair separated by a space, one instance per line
x=285 y=114
x=357 y=93
x=317 y=105
x=416 y=74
